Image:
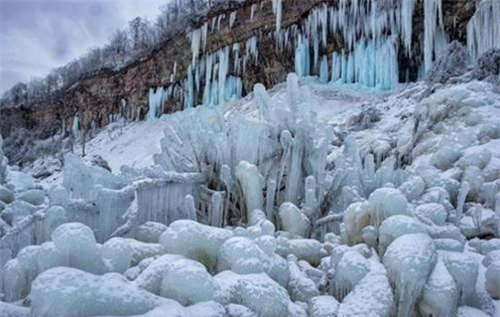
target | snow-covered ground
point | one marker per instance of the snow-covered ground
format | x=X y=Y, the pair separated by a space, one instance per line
x=312 y=200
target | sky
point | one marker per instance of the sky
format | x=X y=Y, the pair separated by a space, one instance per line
x=39 y=35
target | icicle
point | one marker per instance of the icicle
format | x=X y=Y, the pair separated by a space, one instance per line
x=190 y=88
x=75 y=128
x=195 y=44
x=232 y=19
x=208 y=80
x=252 y=12
x=223 y=71
x=271 y=194
x=302 y=59
x=204 y=35
x=278 y=11
x=406 y=12
x=462 y=196
x=433 y=18
x=323 y=72
x=216 y=210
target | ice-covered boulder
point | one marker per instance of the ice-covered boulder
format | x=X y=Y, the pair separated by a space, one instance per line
x=409 y=261
x=413 y=187
x=467 y=311
x=67 y=292
x=87 y=256
x=150 y=232
x=117 y=254
x=195 y=241
x=491 y=257
x=464 y=268
x=445 y=156
x=6 y=195
x=12 y=310
x=36 y=197
x=395 y=227
x=434 y=212
x=244 y=256
x=294 y=220
x=489 y=246
x=188 y=282
x=323 y=306
x=309 y=250
x=479 y=222
x=262 y=295
x=479 y=159
x=235 y=310
x=388 y=202
x=449 y=245
x=373 y=291
x=20 y=182
x=258 y=292
x=151 y=277
x=351 y=268
x=493 y=279
x=143 y=250
x=440 y=294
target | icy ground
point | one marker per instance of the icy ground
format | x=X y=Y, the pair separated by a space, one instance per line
x=312 y=200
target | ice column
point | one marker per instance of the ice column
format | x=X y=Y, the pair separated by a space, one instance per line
x=433 y=21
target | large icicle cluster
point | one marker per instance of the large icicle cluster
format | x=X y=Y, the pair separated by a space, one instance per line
x=373 y=33
x=483 y=30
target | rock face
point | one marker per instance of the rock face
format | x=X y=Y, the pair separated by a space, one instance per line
x=97 y=99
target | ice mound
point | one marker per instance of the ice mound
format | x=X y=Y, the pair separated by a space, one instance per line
x=440 y=294
x=323 y=306
x=117 y=254
x=374 y=291
x=258 y=292
x=409 y=260
x=464 y=268
x=395 y=227
x=195 y=241
x=70 y=292
x=388 y=202
x=493 y=279
x=243 y=256
x=349 y=270
x=150 y=232
x=87 y=256
x=262 y=295
x=151 y=276
x=12 y=310
x=188 y=282
x=436 y=213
